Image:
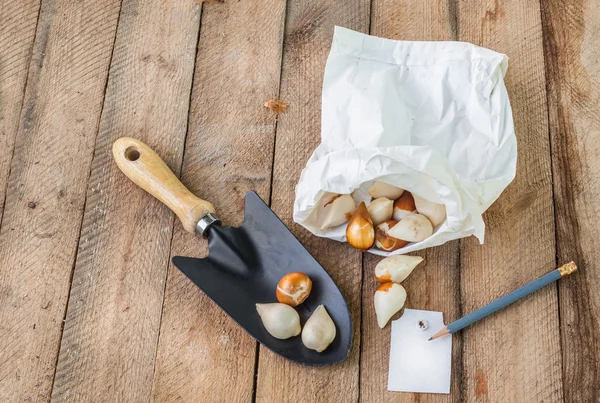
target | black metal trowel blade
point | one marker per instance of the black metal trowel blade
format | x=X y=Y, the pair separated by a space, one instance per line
x=243 y=268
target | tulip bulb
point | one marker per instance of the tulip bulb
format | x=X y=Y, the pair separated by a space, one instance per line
x=396 y=268
x=414 y=228
x=335 y=210
x=319 y=330
x=385 y=242
x=404 y=206
x=381 y=210
x=435 y=212
x=293 y=288
x=281 y=320
x=382 y=189
x=389 y=299
x=360 y=232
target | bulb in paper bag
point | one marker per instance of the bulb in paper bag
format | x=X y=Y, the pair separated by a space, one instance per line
x=384 y=241
x=389 y=299
x=414 y=228
x=382 y=189
x=335 y=210
x=360 y=232
x=396 y=268
x=435 y=212
x=381 y=210
x=319 y=330
x=404 y=206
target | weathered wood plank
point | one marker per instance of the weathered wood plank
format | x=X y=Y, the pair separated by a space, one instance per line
x=113 y=318
x=203 y=354
x=46 y=188
x=571 y=36
x=514 y=355
x=434 y=285
x=308 y=33
x=18 y=21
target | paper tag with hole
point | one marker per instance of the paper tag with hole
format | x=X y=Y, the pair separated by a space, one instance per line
x=417 y=364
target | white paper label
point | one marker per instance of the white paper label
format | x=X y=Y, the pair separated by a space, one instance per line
x=416 y=364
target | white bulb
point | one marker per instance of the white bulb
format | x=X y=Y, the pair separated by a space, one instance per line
x=414 y=228
x=336 y=209
x=382 y=189
x=389 y=299
x=280 y=320
x=381 y=210
x=319 y=330
x=435 y=212
x=396 y=268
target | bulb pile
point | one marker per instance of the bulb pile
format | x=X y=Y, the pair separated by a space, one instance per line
x=392 y=219
x=282 y=321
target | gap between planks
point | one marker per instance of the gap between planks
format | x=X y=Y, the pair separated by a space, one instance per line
x=187 y=131
x=282 y=46
x=64 y=316
x=21 y=111
x=553 y=192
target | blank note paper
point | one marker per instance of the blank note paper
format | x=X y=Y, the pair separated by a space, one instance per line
x=416 y=364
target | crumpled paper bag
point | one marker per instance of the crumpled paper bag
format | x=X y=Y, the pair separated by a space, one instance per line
x=430 y=117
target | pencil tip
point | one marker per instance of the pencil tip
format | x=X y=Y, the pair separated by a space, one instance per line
x=431 y=338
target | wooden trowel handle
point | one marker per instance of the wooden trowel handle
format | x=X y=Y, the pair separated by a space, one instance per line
x=147 y=170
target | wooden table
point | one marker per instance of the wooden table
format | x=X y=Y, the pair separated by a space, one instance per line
x=91 y=310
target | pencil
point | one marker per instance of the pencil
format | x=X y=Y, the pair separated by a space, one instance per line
x=506 y=300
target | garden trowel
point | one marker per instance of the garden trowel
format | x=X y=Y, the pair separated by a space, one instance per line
x=244 y=264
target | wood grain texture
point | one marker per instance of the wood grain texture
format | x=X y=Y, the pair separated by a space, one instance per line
x=18 y=21
x=203 y=354
x=46 y=189
x=515 y=354
x=113 y=318
x=434 y=284
x=52 y=87
x=571 y=37
x=308 y=34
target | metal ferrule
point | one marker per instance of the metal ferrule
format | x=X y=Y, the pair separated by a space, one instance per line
x=205 y=223
x=567 y=269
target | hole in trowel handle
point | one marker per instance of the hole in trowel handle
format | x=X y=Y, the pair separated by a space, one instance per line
x=132 y=153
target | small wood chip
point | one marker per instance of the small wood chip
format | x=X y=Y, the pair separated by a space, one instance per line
x=276 y=105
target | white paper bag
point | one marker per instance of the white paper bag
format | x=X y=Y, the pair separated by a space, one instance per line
x=430 y=117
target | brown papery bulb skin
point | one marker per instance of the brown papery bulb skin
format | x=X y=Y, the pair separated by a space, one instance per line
x=404 y=206
x=360 y=232
x=385 y=286
x=385 y=242
x=293 y=288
